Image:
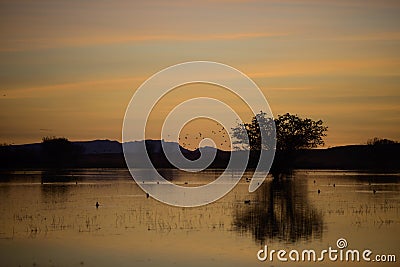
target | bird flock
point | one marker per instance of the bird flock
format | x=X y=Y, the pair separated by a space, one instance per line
x=190 y=141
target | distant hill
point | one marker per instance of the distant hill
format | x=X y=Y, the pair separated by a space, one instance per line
x=359 y=157
x=115 y=147
x=100 y=147
x=109 y=154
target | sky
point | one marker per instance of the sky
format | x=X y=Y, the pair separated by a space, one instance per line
x=70 y=68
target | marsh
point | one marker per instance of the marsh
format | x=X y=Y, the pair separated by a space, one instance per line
x=51 y=219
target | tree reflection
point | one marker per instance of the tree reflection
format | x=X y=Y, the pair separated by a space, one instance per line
x=58 y=176
x=56 y=185
x=280 y=211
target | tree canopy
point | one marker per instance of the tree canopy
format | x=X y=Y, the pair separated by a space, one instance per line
x=380 y=141
x=292 y=132
x=251 y=132
x=59 y=151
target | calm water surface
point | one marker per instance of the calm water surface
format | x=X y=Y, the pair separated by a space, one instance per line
x=50 y=219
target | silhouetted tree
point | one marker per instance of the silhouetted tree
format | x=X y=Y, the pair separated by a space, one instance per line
x=380 y=141
x=261 y=122
x=59 y=152
x=6 y=155
x=292 y=134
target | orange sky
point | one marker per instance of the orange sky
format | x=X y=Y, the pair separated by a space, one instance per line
x=69 y=68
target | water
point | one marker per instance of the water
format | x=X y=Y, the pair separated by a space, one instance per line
x=50 y=219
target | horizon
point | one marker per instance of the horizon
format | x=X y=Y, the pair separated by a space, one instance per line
x=171 y=141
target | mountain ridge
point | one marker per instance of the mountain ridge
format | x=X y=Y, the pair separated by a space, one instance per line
x=109 y=153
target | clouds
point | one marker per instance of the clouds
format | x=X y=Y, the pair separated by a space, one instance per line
x=59 y=42
x=80 y=61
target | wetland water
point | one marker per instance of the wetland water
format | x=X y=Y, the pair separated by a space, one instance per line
x=50 y=219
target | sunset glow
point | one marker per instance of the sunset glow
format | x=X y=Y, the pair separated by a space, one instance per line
x=69 y=68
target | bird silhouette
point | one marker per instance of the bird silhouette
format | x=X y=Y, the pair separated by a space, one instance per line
x=97 y=205
x=319 y=191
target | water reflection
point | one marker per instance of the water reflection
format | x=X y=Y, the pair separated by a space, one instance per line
x=56 y=215
x=55 y=185
x=184 y=178
x=54 y=193
x=281 y=211
x=58 y=176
